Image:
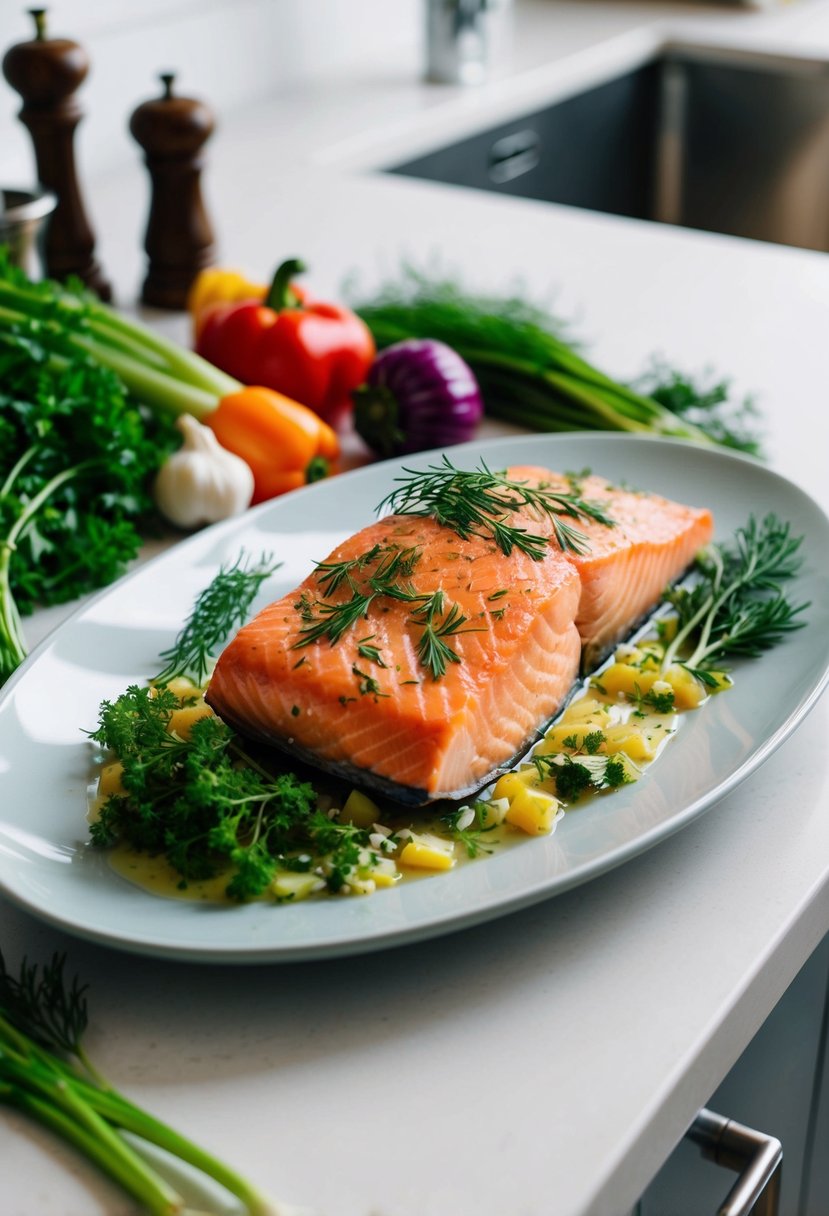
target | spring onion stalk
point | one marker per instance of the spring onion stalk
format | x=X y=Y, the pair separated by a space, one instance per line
x=71 y=321
x=528 y=374
x=45 y=1073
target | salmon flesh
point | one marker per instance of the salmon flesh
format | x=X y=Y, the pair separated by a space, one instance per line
x=512 y=633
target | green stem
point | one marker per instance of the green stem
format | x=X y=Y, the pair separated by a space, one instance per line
x=59 y=1101
x=158 y=1199
x=280 y=295
x=118 y=1110
x=10 y=627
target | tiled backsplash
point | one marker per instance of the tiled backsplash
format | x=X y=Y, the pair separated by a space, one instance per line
x=228 y=52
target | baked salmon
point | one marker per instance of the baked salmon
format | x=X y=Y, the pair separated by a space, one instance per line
x=422 y=663
x=625 y=569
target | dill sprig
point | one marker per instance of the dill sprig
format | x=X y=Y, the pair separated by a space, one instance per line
x=332 y=620
x=480 y=502
x=219 y=609
x=433 y=651
x=738 y=606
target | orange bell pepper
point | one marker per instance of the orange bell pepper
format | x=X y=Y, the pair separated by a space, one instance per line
x=286 y=444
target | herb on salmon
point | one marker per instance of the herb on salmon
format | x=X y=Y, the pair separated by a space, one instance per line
x=367 y=651
x=335 y=619
x=220 y=608
x=480 y=502
x=432 y=650
x=737 y=606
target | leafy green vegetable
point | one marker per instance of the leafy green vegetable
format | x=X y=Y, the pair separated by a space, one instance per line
x=46 y=1074
x=737 y=605
x=530 y=375
x=71 y=323
x=75 y=462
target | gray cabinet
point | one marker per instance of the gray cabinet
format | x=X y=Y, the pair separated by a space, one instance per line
x=780 y=1085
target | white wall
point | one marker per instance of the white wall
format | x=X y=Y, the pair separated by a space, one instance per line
x=227 y=52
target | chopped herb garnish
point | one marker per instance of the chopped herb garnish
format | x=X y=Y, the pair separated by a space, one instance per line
x=432 y=651
x=497 y=595
x=367 y=684
x=468 y=825
x=481 y=502
x=366 y=651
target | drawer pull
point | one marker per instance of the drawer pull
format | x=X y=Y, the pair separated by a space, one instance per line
x=514 y=155
x=755 y=1155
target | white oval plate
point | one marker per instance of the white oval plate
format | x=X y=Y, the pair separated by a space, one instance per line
x=47 y=867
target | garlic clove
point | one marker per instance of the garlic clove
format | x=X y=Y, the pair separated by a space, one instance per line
x=201 y=483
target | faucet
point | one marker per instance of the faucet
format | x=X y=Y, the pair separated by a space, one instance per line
x=460 y=39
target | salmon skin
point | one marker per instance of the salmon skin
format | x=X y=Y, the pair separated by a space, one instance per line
x=374 y=705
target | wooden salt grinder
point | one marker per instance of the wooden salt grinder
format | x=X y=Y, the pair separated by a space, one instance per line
x=179 y=241
x=46 y=72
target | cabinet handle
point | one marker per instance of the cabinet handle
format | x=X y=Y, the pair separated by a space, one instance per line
x=756 y=1156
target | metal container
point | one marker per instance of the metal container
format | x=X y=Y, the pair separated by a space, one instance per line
x=24 y=215
x=465 y=39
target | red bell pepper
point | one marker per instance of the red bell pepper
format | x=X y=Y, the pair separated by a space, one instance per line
x=314 y=352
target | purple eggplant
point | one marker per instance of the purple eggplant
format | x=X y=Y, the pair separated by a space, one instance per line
x=419 y=394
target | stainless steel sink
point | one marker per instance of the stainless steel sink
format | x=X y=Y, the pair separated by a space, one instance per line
x=727 y=141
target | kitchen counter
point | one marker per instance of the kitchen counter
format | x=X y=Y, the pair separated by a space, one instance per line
x=550 y=1061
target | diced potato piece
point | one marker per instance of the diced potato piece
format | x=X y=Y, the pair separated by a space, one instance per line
x=109 y=781
x=183 y=688
x=637 y=742
x=584 y=710
x=182 y=720
x=554 y=740
x=689 y=692
x=511 y=784
x=288 y=884
x=723 y=681
x=622 y=678
x=385 y=873
x=427 y=852
x=359 y=810
x=533 y=811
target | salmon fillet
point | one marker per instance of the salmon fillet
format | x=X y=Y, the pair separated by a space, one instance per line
x=626 y=568
x=365 y=706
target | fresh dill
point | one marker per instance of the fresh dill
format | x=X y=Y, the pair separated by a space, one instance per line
x=219 y=609
x=481 y=502
x=333 y=620
x=392 y=566
x=433 y=651
x=367 y=684
x=737 y=606
x=366 y=650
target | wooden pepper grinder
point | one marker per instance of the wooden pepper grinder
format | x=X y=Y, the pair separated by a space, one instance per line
x=179 y=242
x=46 y=72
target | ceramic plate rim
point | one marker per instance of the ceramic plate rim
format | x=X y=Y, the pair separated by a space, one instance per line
x=176 y=944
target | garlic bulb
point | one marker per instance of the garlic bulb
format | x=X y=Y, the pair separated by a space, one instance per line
x=202 y=482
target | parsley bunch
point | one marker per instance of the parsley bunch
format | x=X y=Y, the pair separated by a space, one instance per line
x=75 y=462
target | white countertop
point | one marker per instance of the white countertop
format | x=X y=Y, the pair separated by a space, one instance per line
x=547 y=1062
